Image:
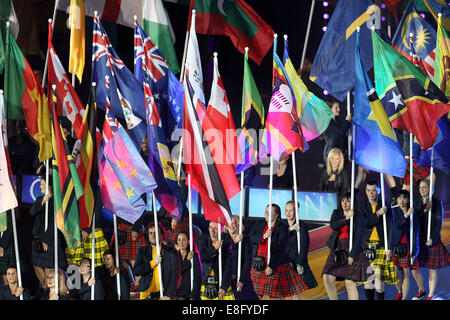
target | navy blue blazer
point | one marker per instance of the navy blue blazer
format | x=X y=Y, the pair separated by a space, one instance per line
x=5 y=294
x=296 y=257
x=84 y=292
x=402 y=226
x=210 y=259
x=184 y=286
x=246 y=257
x=437 y=213
x=372 y=221
x=337 y=221
x=170 y=268
x=278 y=243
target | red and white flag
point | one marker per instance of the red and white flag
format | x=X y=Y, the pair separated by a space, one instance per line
x=69 y=104
x=220 y=114
x=121 y=12
x=215 y=181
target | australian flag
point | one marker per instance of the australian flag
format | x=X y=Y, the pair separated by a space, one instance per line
x=163 y=114
x=168 y=92
x=127 y=95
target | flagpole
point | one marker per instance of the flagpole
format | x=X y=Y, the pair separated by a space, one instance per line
x=116 y=247
x=352 y=192
x=219 y=237
x=383 y=204
x=52 y=21
x=307 y=33
x=294 y=173
x=270 y=207
x=430 y=196
x=93 y=254
x=46 y=192
x=241 y=209
x=191 y=232
x=411 y=197
x=55 y=230
x=16 y=250
x=158 y=251
x=348 y=112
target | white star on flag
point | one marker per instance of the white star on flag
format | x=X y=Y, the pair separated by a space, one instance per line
x=396 y=99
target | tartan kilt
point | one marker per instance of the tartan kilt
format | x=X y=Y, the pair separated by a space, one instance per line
x=434 y=257
x=284 y=282
x=46 y=259
x=229 y=295
x=405 y=262
x=84 y=250
x=386 y=271
x=8 y=259
x=419 y=172
x=356 y=272
x=308 y=277
x=128 y=251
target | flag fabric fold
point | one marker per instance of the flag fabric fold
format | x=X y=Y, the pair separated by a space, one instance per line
x=314 y=114
x=376 y=146
x=216 y=182
x=411 y=100
x=333 y=66
x=252 y=120
x=442 y=68
x=124 y=175
x=237 y=20
x=25 y=98
x=283 y=133
x=127 y=98
x=67 y=188
x=422 y=43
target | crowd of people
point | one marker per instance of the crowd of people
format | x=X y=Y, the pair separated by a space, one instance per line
x=370 y=244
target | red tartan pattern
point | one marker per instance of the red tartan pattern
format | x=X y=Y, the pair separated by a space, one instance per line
x=434 y=257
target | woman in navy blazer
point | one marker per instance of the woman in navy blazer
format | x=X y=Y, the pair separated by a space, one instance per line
x=189 y=260
x=278 y=278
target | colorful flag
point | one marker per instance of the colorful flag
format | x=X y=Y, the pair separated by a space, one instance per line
x=8 y=199
x=121 y=12
x=124 y=175
x=283 y=133
x=25 y=98
x=221 y=117
x=77 y=38
x=237 y=20
x=215 y=182
x=69 y=104
x=439 y=6
x=194 y=68
x=439 y=155
x=376 y=146
x=314 y=113
x=156 y=23
x=86 y=161
x=151 y=66
x=67 y=188
x=423 y=41
x=127 y=94
x=412 y=101
x=252 y=120
x=442 y=68
x=2 y=53
x=333 y=67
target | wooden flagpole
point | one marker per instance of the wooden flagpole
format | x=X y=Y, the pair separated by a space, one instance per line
x=93 y=254
x=116 y=247
x=383 y=204
x=158 y=249
x=411 y=199
x=16 y=250
x=305 y=45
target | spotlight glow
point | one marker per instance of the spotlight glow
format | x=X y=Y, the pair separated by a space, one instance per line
x=324 y=28
x=326 y=16
x=325 y=4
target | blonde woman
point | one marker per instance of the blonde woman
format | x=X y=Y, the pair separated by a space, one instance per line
x=334 y=177
x=49 y=292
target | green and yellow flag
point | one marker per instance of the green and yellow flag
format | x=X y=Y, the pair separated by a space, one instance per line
x=67 y=188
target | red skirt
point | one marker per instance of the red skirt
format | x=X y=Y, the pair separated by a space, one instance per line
x=434 y=257
x=284 y=282
x=405 y=262
x=128 y=251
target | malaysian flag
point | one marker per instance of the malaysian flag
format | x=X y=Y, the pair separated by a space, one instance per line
x=127 y=94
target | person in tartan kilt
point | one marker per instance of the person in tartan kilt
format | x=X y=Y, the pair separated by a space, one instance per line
x=299 y=259
x=242 y=283
x=432 y=253
x=275 y=278
x=208 y=247
x=75 y=256
x=401 y=254
x=344 y=265
x=374 y=243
